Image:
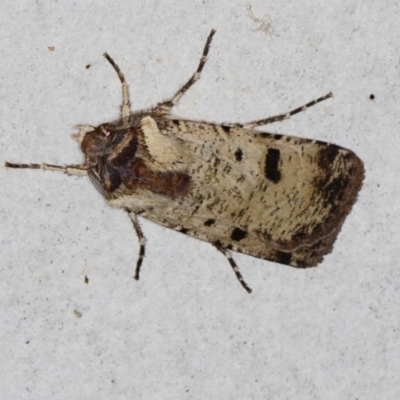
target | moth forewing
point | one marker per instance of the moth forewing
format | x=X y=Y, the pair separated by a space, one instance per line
x=274 y=197
x=284 y=200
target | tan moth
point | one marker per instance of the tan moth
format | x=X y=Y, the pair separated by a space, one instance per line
x=279 y=198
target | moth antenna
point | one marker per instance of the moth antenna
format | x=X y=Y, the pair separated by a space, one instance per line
x=125 y=106
x=74 y=170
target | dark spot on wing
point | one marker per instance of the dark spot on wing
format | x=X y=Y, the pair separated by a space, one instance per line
x=217 y=244
x=272 y=165
x=335 y=190
x=209 y=222
x=239 y=154
x=182 y=184
x=226 y=128
x=238 y=234
x=327 y=155
x=282 y=257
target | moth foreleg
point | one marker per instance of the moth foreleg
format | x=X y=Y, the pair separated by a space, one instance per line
x=125 y=106
x=168 y=104
x=142 y=242
x=73 y=170
x=235 y=268
x=276 y=118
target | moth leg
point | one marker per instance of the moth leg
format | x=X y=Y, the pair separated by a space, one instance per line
x=142 y=242
x=166 y=106
x=73 y=170
x=235 y=268
x=126 y=104
x=276 y=118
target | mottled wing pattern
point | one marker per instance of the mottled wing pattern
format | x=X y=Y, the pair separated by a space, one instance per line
x=274 y=197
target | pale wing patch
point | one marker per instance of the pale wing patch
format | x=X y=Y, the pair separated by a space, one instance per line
x=165 y=151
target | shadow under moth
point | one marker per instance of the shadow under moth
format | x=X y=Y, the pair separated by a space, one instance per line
x=274 y=197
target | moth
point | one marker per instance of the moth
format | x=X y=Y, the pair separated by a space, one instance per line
x=274 y=197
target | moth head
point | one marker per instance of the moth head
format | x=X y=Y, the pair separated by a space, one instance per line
x=93 y=142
